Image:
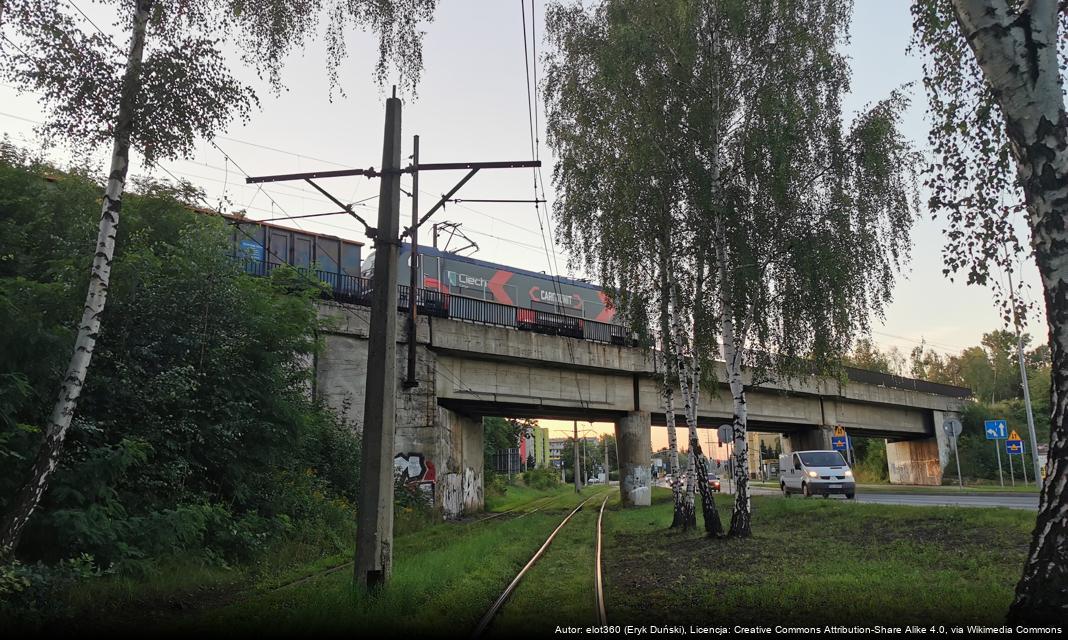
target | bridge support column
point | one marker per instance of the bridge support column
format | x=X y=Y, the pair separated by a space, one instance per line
x=816 y=438
x=460 y=481
x=921 y=461
x=633 y=433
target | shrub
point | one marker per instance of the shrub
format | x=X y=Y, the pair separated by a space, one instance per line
x=542 y=479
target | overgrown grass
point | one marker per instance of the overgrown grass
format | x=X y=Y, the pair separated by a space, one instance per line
x=562 y=582
x=819 y=562
x=445 y=577
x=809 y=561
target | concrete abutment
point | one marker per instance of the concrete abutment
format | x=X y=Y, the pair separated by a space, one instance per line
x=634 y=433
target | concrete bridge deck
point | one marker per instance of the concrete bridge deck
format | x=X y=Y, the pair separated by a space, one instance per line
x=467 y=371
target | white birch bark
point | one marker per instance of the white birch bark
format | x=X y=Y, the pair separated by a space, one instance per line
x=673 y=450
x=1017 y=53
x=732 y=354
x=25 y=502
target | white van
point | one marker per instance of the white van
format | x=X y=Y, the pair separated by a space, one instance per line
x=816 y=473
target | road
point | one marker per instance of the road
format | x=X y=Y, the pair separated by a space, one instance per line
x=948 y=499
x=1025 y=501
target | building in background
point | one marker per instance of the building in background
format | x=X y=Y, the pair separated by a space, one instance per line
x=535 y=448
x=556 y=451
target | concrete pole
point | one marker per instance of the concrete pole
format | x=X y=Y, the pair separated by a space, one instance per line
x=607 y=472
x=578 y=478
x=374 y=533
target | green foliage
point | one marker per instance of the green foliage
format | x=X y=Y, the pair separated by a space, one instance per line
x=196 y=433
x=32 y=589
x=187 y=86
x=870 y=464
x=499 y=434
x=496 y=484
x=702 y=150
x=542 y=479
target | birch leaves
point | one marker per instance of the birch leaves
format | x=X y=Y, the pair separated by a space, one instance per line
x=703 y=143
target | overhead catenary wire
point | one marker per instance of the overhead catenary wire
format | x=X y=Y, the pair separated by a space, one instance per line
x=440 y=366
x=548 y=245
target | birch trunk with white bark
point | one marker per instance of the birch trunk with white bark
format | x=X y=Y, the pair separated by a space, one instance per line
x=741 y=514
x=1017 y=52
x=29 y=496
x=689 y=375
x=673 y=455
x=678 y=517
x=1018 y=56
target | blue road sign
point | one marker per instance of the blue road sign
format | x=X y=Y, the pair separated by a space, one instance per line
x=838 y=443
x=996 y=429
x=1014 y=447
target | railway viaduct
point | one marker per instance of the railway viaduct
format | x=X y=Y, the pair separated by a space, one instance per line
x=467 y=371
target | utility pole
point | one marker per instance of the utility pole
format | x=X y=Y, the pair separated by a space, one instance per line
x=413 y=269
x=374 y=528
x=607 y=473
x=1026 y=389
x=374 y=537
x=578 y=479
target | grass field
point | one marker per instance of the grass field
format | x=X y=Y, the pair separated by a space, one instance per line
x=809 y=561
x=818 y=561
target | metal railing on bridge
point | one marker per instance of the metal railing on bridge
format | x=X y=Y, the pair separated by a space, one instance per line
x=359 y=290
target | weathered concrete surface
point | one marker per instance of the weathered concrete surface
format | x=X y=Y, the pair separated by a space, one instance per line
x=633 y=436
x=924 y=461
x=808 y=439
x=466 y=371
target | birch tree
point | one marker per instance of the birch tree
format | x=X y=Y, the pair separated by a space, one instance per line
x=167 y=86
x=612 y=121
x=800 y=219
x=993 y=75
x=809 y=217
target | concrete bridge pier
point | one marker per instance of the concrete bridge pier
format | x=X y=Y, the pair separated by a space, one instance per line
x=808 y=439
x=633 y=436
x=922 y=461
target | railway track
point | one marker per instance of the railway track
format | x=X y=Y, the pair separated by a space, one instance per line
x=523 y=511
x=495 y=608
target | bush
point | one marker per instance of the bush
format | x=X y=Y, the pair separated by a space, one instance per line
x=542 y=479
x=195 y=434
x=496 y=483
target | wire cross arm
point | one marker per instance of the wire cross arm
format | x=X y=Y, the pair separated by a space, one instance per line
x=368 y=229
x=473 y=168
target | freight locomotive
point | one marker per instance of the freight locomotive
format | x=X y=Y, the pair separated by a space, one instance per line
x=458 y=275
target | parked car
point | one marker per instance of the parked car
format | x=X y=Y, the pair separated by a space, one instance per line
x=816 y=473
x=713 y=482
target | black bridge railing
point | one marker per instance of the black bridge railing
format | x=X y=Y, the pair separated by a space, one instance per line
x=358 y=290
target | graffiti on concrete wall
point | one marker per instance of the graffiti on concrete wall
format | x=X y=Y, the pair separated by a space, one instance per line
x=416 y=473
x=636 y=484
x=452 y=495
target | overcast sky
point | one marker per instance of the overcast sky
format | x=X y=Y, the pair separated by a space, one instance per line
x=472 y=105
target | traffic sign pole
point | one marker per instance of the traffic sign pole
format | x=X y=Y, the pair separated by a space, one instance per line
x=952 y=427
x=1023 y=467
x=1012 y=473
x=1001 y=474
x=956 y=454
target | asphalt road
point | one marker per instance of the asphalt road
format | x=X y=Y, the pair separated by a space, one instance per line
x=948 y=499
x=1025 y=501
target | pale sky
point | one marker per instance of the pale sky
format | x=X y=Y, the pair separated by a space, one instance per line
x=472 y=106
